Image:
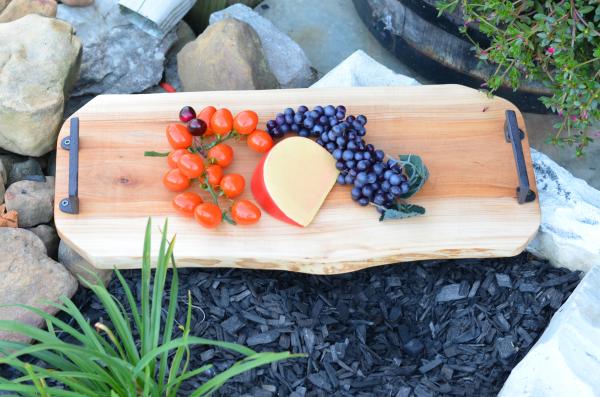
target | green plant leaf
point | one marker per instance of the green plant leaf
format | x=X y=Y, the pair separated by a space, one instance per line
x=402 y=211
x=416 y=171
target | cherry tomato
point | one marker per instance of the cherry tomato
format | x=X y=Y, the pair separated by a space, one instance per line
x=205 y=115
x=186 y=202
x=174 y=156
x=191 y=165
x=221 y=122
x=214 y=173
x=232 y=185
x=208 y=215
x=221 y=154
x=245 y=212
x=179 y=137
x=260 y=141
x=175 y=181
x=245 y=122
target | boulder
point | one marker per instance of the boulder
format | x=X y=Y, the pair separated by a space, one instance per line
x=43 y=56
x=118 y=56
x=241 y=67
x=19 y=8
x=32 y=200
x=79 y=267
x=49 y=237
x=569 y=234
x=24 y=169
x=565 y=361
x=285 y=57
x=28 y=277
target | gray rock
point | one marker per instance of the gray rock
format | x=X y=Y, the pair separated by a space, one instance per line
x=31 y=110
x=33 y=201
x=8 y=160
x=569 y=234
x=79 y=267
x=2 y=191
x=22 y=170
x=28 y=277
x=241 y=67
x=49 y=237
x=285 y=57
x=565 y=361
x=118 y=57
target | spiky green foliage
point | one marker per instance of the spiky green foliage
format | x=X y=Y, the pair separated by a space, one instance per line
x=108 y=360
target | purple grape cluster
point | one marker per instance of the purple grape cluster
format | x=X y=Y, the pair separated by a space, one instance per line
x=373 y=177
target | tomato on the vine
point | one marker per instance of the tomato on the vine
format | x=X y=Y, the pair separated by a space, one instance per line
x=245 y=122
x=221 y=154
x=186 y=202
x=175 y=181
x=221 y=122
x=208 y=215
x=214 y=173
x=174 y=156
x=178 y=136
x=232 y=185
x=205 y=115
x=191 y=165
x=260 y=141
x=244 y=212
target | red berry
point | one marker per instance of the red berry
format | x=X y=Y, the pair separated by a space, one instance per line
x=186 y=114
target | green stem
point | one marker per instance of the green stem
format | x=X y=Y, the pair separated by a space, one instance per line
x=156 y=154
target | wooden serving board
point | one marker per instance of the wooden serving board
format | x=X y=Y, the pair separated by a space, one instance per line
x=470 y=197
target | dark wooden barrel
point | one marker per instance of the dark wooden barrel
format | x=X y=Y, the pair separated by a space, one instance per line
x=434 y=47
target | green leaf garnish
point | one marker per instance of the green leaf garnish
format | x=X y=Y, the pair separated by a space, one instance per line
x=401 y=211
x=416 y=171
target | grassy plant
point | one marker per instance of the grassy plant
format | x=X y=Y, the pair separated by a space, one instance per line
x=110 y=361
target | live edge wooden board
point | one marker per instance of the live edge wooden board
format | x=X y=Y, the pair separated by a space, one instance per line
x=470 y=196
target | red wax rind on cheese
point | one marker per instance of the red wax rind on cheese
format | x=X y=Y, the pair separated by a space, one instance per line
x=293 y=179
x=259 y=190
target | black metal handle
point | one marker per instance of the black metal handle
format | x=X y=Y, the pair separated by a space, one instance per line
x=514 y=135
x=70 y=205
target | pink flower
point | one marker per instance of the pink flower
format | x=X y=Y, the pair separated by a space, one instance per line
x=596 y=134
x=550 y=51
x=573 y=117
x=584 y=115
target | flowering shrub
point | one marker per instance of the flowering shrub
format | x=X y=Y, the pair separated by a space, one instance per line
x=554 y=42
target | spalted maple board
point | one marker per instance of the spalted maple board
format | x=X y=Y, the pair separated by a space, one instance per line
x=470 y=197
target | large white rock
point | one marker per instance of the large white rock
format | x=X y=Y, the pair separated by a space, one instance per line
x=566 y=359
x=569 y=234
x=118 y=56
x=285 y=57
x=360 y=70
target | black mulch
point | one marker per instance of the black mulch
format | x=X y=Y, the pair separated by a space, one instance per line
x=432 y=328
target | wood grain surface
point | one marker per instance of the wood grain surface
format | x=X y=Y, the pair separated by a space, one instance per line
x=470 y=197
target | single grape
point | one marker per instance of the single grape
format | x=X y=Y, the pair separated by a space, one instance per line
x=186 y=114
x=197 y=127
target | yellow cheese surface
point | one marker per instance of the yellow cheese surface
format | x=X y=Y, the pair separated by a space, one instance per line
x=298 y=175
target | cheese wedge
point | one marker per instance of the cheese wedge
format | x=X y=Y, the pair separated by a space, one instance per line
x=293 y=179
